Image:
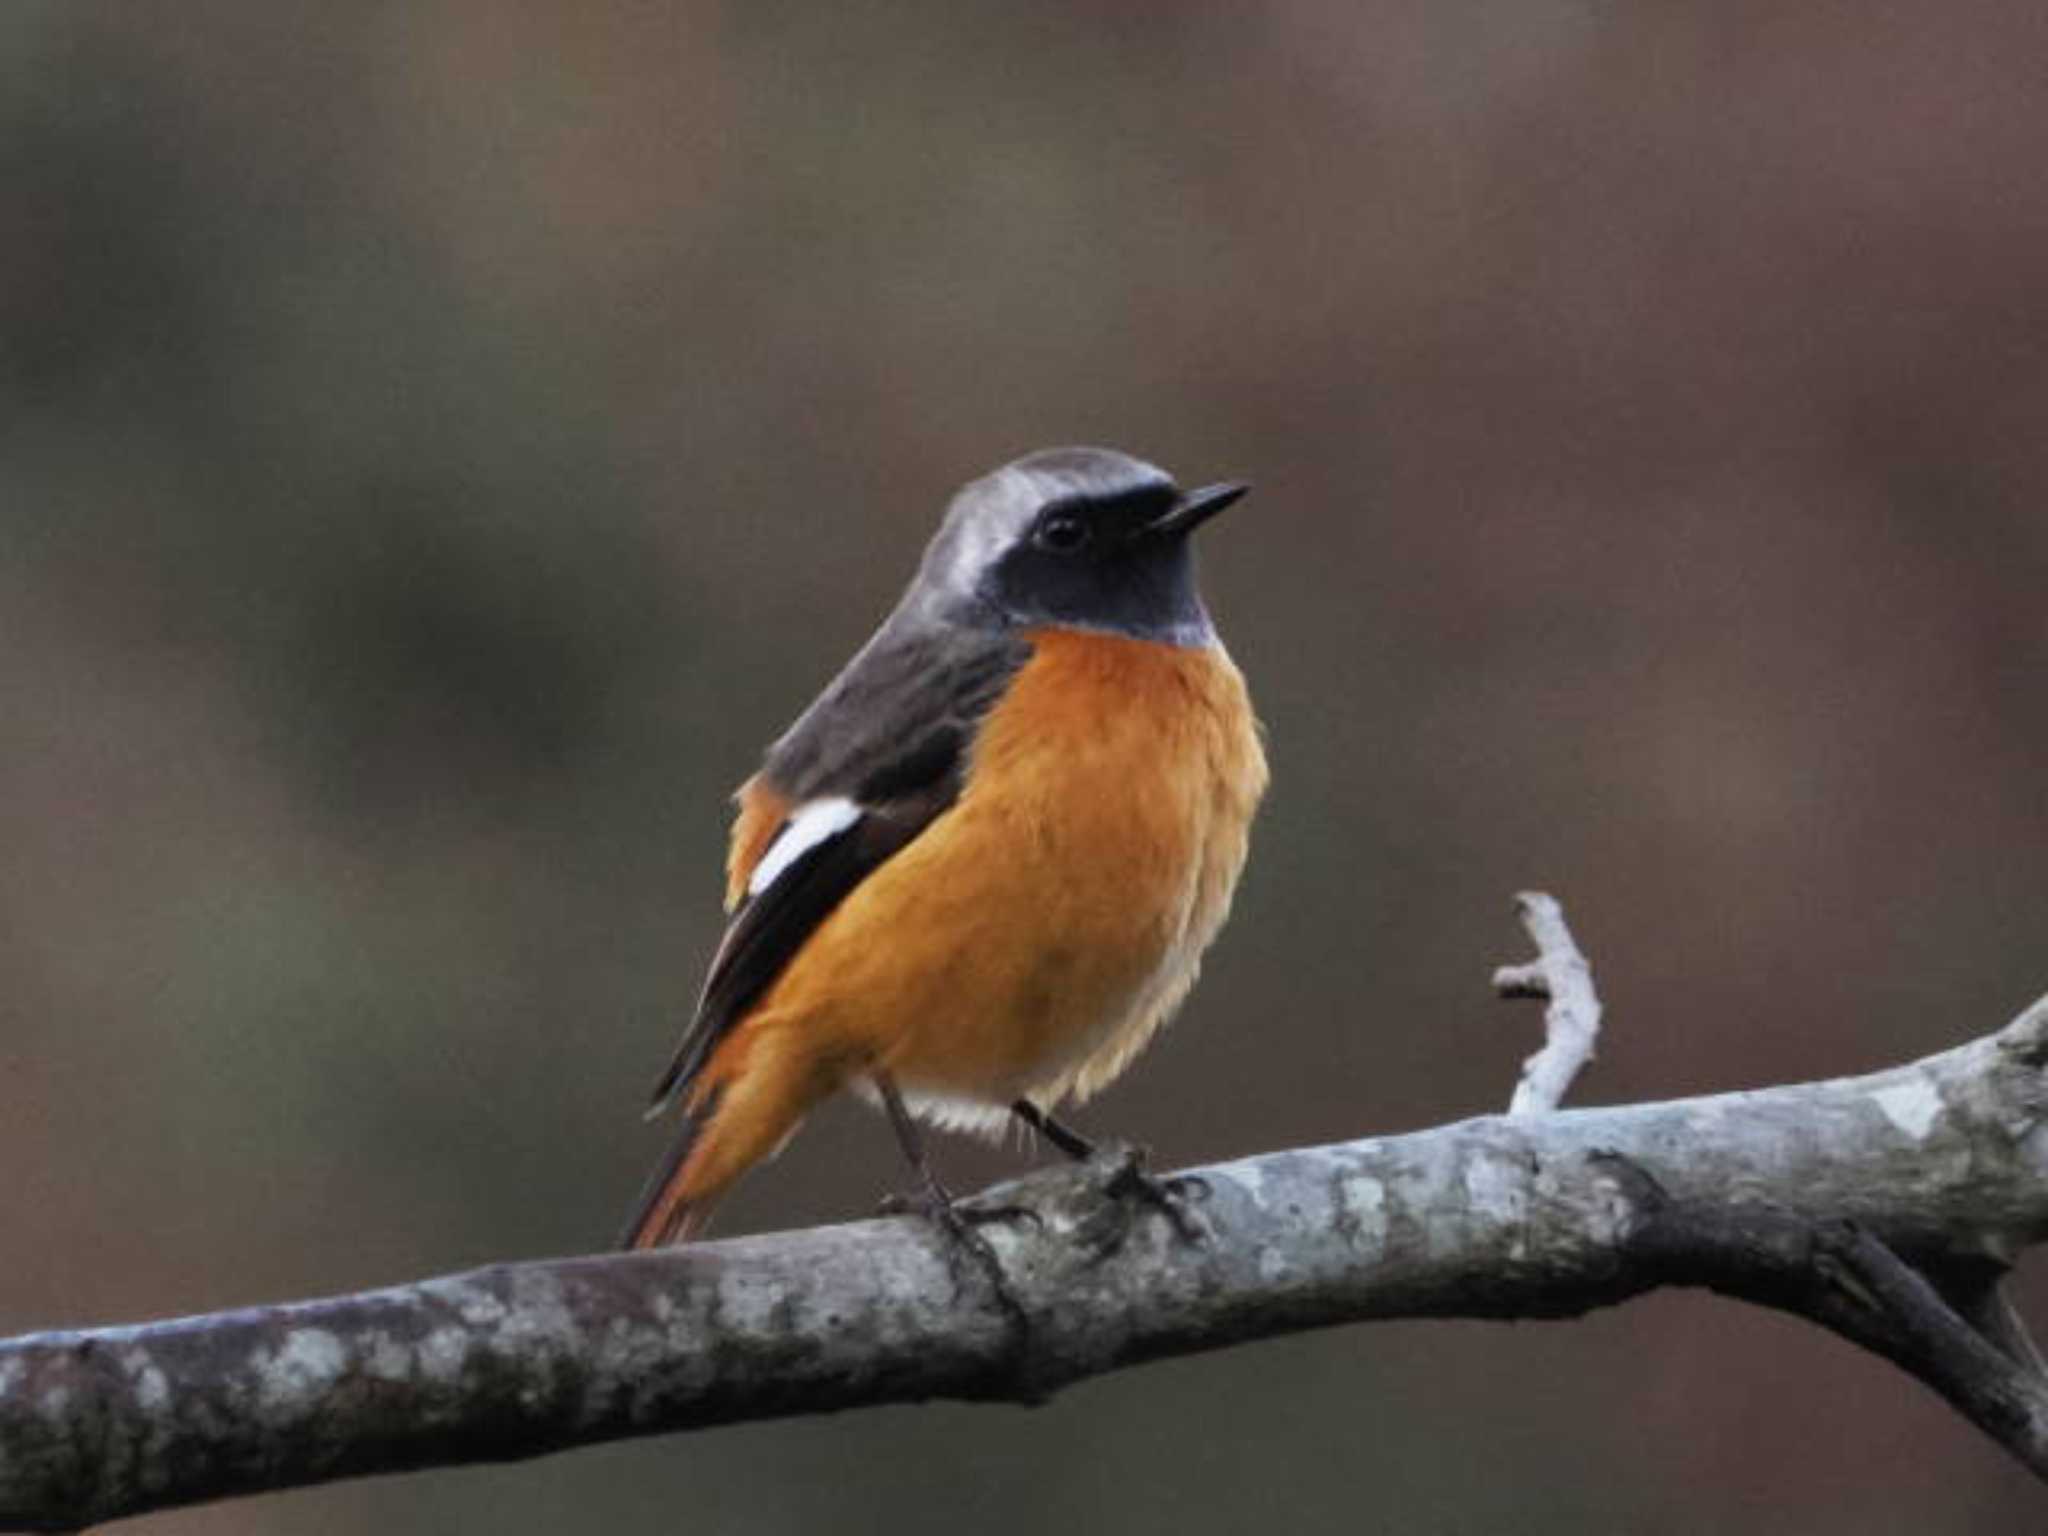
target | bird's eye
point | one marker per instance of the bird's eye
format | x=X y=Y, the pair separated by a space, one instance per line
x=1062 y=533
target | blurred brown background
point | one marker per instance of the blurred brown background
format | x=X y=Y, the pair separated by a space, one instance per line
x=440 y=443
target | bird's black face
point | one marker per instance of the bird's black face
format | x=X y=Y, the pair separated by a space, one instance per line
x=1117 y=559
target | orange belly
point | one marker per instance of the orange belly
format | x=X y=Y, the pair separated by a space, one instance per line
x=1031 y=940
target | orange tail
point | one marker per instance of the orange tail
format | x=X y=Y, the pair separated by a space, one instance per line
x=665 y=1213
x=749 y=1099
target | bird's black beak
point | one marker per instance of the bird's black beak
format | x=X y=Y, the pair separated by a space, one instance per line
x=1197 y=507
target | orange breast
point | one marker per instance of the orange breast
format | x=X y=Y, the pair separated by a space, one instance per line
x=1036 y=934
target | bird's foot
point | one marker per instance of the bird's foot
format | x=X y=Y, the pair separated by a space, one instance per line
x=1125 y=1178
x=959 y=1218
x=961 y=1224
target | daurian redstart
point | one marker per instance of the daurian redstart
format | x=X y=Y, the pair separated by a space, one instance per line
x=980 y=870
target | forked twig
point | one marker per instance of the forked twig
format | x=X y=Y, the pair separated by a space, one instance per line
x=1563 y=977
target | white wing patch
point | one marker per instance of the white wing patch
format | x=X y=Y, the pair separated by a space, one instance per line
x=809 y=825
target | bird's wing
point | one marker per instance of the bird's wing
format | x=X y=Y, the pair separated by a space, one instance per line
x=874 y=761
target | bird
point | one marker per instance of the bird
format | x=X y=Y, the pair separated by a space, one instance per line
x=980 y=870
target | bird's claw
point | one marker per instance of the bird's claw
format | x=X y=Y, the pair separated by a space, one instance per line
x=1127 y=1179
x=936 y=1204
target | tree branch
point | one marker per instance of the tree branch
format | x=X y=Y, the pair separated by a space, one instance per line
x=1563 y=978
x=1843 y=1277
x=1533 y=1216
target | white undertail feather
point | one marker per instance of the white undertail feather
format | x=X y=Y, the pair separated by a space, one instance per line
x=986 y=1118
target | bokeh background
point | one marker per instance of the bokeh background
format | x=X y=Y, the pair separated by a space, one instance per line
x=441 y=443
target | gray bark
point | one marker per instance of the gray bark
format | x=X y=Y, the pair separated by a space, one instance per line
x=1941 y=1162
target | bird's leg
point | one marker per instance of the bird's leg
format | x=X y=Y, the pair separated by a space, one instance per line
x=1128 y=1177
x=935 y=1196
x=932 y=1198
x=1063 y=1136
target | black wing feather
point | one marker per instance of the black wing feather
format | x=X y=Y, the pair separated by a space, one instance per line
x=892 y=734
x=768 y=931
